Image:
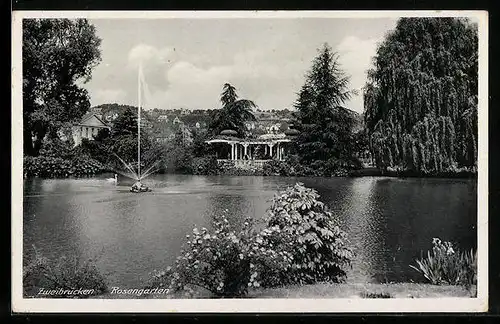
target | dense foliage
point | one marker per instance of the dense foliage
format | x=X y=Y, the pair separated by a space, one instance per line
x=81 y=278
x=58 y=54
x=55 y=167
x=305 y=227
x=421 y=96
x=325 y=126
x=109 y=147
x=224 y=261
x=233 y=114
x=293 y=167
x=300 y=243
x=206 y=165
x=58 y=159
x=445 y=264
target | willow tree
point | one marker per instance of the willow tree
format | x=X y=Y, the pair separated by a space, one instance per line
x=326 y=127
x=421 y=96
x=233 y=114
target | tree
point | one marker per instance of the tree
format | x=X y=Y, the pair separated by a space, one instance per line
x=125 y=123
x=325 y=125
x=233 y=114
x=58 y=54
x=421 y=96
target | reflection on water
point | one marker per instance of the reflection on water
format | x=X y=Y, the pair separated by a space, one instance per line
x=389 y=221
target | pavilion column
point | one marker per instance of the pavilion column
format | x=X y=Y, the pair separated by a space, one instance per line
x=232 y=151
x=245 y=147
x=271 y=150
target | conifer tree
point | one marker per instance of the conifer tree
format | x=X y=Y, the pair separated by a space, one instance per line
x=325 y=125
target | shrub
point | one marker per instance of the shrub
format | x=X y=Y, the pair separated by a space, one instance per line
x=303 y=226
x=294 y=167
x=56 y=148
x=64 y=273
x=206 y=165
x=55 y=167
x=225 y=262
x=300 y=244
x=445 y=264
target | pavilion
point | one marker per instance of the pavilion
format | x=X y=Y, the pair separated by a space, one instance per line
x=259 y=150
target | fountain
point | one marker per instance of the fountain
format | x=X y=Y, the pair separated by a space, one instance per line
x=130 y=172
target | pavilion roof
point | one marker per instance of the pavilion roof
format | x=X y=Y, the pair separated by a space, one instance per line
x=232 y=139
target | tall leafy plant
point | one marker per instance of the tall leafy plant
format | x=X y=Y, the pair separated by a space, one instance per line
x=445 y=264
x=421 y=96
x=305 y=227
x=325 y=125
x=58 y=55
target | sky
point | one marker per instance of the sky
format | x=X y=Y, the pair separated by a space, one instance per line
x=187 y=61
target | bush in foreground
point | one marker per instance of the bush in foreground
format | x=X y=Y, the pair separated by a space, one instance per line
x=306 y=228
x=300 y=244
x=78 y=279
x=447 y=265
x=224 y=262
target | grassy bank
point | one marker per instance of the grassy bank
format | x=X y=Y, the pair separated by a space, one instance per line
x=330 y=290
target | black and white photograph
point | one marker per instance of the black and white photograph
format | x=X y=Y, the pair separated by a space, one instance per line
x=264 y=161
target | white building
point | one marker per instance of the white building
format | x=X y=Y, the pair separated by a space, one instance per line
x=88 y=127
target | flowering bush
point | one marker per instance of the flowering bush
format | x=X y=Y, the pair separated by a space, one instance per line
x=304 y=227
x=68 y=274
x=447 y=265
x=300 y=244
x=225 y=262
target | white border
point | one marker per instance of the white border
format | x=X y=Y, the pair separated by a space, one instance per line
x=19 y=304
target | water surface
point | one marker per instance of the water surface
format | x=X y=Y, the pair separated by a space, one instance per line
x=389 y=220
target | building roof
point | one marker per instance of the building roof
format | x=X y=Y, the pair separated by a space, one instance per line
x=92 y=120
x=230 y=139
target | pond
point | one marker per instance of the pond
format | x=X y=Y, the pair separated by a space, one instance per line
x=390 y=221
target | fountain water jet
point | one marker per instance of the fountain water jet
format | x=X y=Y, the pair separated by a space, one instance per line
x=132 y=173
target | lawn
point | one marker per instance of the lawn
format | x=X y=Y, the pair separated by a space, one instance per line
x=331 y=290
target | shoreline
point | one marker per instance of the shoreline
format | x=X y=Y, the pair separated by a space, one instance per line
x=374 y=172
x=367 y=172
